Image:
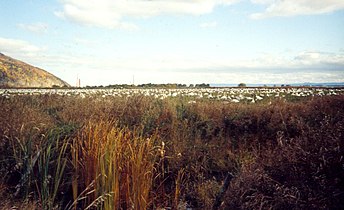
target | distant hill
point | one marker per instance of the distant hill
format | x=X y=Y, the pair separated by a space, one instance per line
x=15 y=73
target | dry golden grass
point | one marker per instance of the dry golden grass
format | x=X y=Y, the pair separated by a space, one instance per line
x=144 y=153
x=114 y=164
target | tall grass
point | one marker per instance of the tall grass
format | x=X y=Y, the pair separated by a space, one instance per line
x=61 y=152
x=51 y=166
x=117 y=162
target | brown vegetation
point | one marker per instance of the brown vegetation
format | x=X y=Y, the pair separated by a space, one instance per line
x=59 y=152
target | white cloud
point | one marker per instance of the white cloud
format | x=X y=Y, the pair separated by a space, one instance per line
x=306 y=66
x=18 y=48
x=320 y=59
x=34 y=27
x=208 y=24
x=112 y=14
x=309 y=61
x=286 y=8
x=302 y=67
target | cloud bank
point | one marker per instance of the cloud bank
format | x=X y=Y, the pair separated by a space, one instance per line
x=305 y=66
x=288 y=8
x=19 y=47
x=112 y=14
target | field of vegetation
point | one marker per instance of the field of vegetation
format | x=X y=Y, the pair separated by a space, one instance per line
x=237 y=148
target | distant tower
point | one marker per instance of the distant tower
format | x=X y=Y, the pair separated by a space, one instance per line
x=133 y=80
x=78 y=83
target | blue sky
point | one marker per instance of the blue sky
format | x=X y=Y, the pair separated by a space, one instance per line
x=212 y=41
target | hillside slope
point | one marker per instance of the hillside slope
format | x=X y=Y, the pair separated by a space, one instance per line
x=15 y=73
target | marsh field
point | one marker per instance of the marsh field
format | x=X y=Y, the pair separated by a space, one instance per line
x=276 y=148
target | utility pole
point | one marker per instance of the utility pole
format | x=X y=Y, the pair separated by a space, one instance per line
x=78 y=81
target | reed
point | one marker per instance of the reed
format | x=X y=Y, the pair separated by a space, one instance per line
x=178 y=187
x=119 y=162
x=51 y=166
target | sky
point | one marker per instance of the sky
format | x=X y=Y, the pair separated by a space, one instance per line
x=106 y=42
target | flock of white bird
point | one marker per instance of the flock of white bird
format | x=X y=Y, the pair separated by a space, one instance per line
x=235 y=95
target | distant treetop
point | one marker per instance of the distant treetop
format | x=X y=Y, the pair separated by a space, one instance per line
x=241 y=85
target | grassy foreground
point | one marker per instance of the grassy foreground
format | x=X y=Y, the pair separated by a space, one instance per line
x=60 y=152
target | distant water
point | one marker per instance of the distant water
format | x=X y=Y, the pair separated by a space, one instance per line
x=328 y=84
